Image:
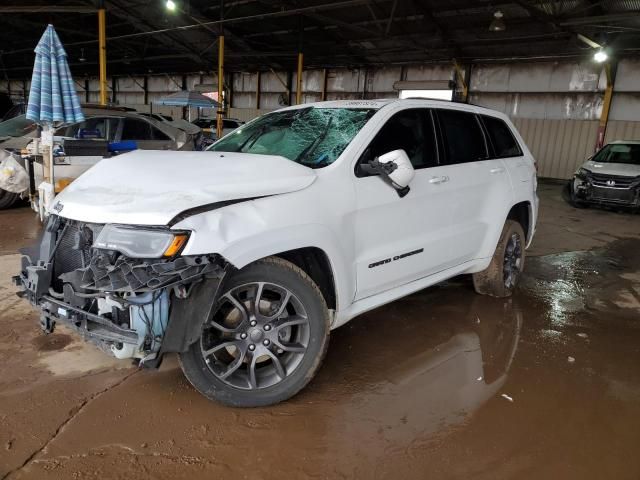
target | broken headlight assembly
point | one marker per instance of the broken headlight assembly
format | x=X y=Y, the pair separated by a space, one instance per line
x=141 y=242
x=582 y=173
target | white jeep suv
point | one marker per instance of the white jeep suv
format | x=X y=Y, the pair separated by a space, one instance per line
x=243 y=258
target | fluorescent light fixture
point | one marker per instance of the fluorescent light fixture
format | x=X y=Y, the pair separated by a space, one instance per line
x=600 y=56
x=432 y=94
x=171 y=5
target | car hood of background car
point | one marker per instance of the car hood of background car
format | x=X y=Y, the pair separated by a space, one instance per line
x=606 y=168
x=152 y=187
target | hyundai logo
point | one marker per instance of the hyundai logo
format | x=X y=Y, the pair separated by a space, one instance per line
x=611 y=183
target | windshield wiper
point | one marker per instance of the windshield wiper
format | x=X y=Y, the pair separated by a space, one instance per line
x=309 y=149
x=254 y=138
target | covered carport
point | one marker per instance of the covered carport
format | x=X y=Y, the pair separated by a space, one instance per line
x=442 y=383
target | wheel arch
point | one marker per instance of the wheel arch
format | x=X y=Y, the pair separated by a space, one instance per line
x=312 y=248
x=522 y=212
x=315 y=263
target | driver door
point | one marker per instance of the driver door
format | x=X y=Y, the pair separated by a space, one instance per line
x=399 y=240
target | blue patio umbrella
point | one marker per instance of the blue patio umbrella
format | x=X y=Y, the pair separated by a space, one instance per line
x=52 y=97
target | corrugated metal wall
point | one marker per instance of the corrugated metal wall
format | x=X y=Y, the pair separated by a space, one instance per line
x=559 y=146
x=555 y=105
x=623 y=130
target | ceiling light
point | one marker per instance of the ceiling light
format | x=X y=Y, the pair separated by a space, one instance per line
x=497 y=24
x=171 y=5
x=82 y=58
x=600 y=56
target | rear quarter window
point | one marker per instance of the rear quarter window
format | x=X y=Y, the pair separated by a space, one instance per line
x=502 y=140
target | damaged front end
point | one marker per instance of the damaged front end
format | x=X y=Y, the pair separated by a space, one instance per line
x=606 y=189
x=96 y=280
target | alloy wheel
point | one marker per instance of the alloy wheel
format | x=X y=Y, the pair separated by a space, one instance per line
x=257 y=336
x=512 y=261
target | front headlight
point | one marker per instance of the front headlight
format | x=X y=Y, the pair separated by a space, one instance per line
x=140 y=242
x=583 y=173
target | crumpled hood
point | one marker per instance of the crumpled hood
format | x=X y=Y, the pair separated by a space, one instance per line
x=149 y=187
x=622 y=169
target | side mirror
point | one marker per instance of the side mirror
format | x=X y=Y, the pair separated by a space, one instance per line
x=395 y=168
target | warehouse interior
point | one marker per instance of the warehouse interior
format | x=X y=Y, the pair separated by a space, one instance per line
x=442 y=383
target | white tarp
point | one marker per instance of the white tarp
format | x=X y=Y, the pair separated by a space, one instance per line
x=13 y=176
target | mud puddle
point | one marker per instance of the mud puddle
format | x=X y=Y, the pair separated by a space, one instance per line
x=441 y=384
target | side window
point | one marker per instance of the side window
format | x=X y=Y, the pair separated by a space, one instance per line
x=159 y=134
x=462 y=135
x=502 y=140
x=409 y=130
x=135 y=129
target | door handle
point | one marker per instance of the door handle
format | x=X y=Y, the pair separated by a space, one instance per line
x=436 y=180
x=496 y=170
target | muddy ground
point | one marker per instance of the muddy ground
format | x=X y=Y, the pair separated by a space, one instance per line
x=442 y=384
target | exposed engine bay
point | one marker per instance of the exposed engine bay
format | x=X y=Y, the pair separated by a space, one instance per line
x=131 y=307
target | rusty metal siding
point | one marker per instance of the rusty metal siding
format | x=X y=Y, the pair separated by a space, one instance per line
x=559 y=146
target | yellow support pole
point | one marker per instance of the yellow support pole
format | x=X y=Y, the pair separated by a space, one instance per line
x=299 y=80
x=323 y=93
x=258 y=90
x=102 y=47
x=460 y=75
x=606 y=106
x=220 y=85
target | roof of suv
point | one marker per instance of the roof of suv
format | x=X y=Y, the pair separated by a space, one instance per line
x=381 y=102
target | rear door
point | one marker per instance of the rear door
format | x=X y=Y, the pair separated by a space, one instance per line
x=506 y=147
x=477 y=185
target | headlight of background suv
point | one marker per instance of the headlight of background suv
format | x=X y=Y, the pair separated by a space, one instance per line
x=583 y=173
x=139 y=242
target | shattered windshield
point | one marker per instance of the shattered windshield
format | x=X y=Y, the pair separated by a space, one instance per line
x=619 y=153
x=16 y=126
x=311 y=136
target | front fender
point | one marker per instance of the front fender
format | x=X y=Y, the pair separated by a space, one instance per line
x=244 y=233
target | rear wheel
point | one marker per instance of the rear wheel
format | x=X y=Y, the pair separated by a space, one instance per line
x=7 y=199
x=265 y=339
x=503 y=273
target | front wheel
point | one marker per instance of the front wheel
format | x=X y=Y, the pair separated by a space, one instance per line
x=503 y=273
x=569 y=196
x=265 y=339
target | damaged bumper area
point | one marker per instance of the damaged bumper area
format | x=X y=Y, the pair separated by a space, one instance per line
x=131 y=307
x=604 y=189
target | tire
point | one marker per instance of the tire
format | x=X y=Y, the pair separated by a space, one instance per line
x=251 y=357
x=501 y=276
x=569 y=196
x=8 y=199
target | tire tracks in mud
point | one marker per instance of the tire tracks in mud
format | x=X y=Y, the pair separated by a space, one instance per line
x=73 y=413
